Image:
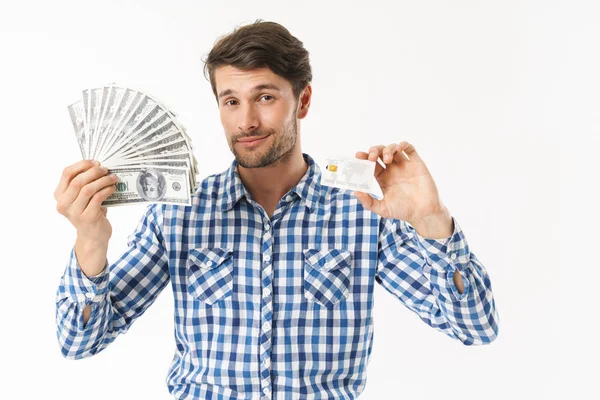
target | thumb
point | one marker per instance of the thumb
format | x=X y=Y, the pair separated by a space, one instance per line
x=367 y=201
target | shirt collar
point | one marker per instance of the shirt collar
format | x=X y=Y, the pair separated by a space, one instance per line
x=308 y=188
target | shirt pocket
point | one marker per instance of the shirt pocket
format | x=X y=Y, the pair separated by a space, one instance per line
x=327 y=275
x=210 y=274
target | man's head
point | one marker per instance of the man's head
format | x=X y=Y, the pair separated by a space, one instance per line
x=260 y=75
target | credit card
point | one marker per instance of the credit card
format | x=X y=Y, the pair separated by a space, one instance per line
x=350 y=174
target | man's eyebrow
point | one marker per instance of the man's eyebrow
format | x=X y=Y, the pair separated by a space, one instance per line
x=254 y=89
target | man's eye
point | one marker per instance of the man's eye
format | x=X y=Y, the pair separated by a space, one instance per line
x=228 y=102
x=267 y=97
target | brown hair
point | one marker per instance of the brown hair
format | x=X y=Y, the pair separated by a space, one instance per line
x=261 y=44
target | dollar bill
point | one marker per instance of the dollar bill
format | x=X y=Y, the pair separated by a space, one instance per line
x=95 y=102
x=133 y=99
x=152 y=130
x=176 y=156
x=162 y=163
x=78 y=120
x=164 y=185
x=122 y=109
x=177 y=146
x=85 y=100
x=109 y=106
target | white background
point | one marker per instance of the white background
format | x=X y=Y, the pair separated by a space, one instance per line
x=497 y=97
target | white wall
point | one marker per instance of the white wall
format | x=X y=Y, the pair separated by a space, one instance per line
x=492 y=95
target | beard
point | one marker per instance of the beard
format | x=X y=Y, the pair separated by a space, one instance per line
x=281 y=148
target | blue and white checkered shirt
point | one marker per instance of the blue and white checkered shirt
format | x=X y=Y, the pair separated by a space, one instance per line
x=274 y=307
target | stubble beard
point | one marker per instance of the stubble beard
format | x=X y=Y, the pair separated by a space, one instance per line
x=279 y=151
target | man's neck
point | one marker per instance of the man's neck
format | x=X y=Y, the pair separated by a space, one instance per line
x=269 y=184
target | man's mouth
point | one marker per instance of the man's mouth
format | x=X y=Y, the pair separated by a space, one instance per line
x=251 y=141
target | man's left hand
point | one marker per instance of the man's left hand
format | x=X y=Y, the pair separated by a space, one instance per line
x=409 y=192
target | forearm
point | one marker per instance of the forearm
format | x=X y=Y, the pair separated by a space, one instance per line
x=83 y=311
x=436 y=226
x=91 y=255
x=78 y=339
x=439 y=226
x=470 y=314
x=447 y=287
x=461 y=285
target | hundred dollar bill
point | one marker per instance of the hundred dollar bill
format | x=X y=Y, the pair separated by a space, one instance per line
x=109 y=107
x=157 y=113
x=164 y=163
x=172 y=147
x=179 y=155
x=77 y=115
x=183 y=163
x=150 y=135
x=133 y=101
x=126 y=102
x=94 y=105
x=147 y=130
x=150 y=184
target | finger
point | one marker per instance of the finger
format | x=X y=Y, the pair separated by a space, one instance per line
x=369 y=202
x=388 y=153
x=407 y=151
x=71 y=172
x=361 y=155
x=72 y=192
x=375 y=151
x=97 y=199
x=90 y=190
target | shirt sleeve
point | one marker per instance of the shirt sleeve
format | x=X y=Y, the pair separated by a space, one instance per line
x=117 y=296
x=419 y=272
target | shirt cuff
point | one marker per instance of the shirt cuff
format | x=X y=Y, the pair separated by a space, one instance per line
x=445 y=256
x=84 y=289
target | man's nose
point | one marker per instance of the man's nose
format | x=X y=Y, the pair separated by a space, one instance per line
x=249 y=120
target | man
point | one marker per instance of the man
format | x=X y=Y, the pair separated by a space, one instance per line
x=272 y=273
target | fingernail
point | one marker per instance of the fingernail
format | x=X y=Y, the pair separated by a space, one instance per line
x=95 y=162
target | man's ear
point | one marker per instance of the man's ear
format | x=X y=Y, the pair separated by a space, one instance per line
x=304 y=101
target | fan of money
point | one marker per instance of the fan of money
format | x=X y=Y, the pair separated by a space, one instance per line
x=140 y=141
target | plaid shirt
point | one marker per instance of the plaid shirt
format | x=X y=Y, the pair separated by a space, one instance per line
x=274 y=307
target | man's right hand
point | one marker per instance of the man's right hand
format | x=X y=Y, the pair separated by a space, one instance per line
x=79 y=196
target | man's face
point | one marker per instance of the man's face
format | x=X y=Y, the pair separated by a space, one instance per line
x=258 y=113
x=150 y=187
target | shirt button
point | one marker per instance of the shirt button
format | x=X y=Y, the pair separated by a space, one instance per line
x=267 y=292
x=210 y=263
x=453 y=256
x=267 y=258
x=266 y=326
